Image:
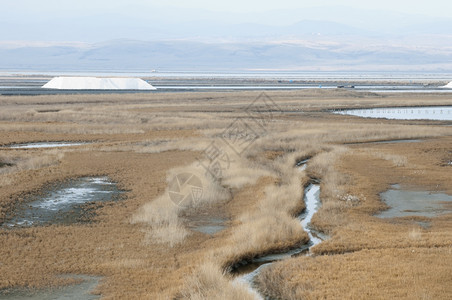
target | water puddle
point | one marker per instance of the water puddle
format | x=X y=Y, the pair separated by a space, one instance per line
x=39 y=145
x=303 y=164
x=76 y=291
x=4 y=164
x=404 y=203
x=443 y=113
x=248 y=281
x=64 y=203
x=425 y=225
x=248 y=272
x=209 y=226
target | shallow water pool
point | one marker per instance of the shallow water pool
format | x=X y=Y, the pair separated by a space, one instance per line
x=62 y=203
x=440 y=113
x=76 y=291
x=44 y=145
x=404 y=203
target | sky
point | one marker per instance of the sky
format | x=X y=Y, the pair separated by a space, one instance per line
x=432 y=8
x=435 y=8
x=256 y=33
x=98 y=20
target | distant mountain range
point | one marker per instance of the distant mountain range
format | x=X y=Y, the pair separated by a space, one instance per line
x=353 y=39
x=306 y=55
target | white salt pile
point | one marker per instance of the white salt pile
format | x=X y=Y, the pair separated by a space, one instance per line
x=95 y=83
x=448 y=86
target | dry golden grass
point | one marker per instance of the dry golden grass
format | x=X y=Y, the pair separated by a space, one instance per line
x=272 y=224
x=20 y=161
x=416 y=273
x=210 y=282
x=143 y=246
x=397 y=160
x=161 y=215
x=389 y=257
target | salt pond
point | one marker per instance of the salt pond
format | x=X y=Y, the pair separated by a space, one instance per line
x=441 y=113
x=63 y=203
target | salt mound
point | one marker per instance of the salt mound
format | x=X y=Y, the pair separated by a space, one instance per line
x=94 y=83
x=448 y=86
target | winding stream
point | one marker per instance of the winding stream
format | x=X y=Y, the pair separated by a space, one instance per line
x=312 y=200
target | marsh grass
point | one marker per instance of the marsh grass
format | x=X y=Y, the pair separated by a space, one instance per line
x=397 y=160
x=161 y=215
x=5 y=180
x=268 y=222
x=391 y=273
x=415 y=234
x=171 y=233
x=18 y=161
x=390 y=258
x=334 y=196
x=272 y=225
x=210 y=282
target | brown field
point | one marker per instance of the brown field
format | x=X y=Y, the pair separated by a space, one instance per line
x=145 y=247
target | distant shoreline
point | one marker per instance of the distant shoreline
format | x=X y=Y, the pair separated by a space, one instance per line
x=317 y=76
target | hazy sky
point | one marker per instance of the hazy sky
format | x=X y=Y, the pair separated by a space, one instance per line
x=432 y=8
x=97 y=20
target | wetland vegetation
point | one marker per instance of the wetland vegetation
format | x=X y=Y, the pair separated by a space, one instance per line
x=176 y=236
